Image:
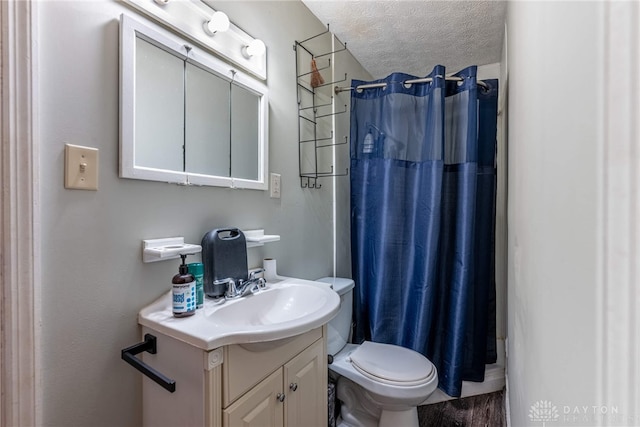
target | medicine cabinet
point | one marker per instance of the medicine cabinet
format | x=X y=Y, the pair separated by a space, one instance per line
x=186 y=116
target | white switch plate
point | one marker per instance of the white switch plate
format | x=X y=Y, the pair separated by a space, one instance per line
x=274 y=186
x=80 y=167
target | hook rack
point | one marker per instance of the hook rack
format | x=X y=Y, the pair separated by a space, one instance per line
x=330 y=137
x=344 y=47
x=333 y=114
x=308 y=183
x=309 y=117
x=346 y=141
x=334 y=82
x=330 y=104
x=312 y=90
x=319 y=69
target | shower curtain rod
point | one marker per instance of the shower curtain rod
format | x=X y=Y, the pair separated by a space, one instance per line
x=339 y=89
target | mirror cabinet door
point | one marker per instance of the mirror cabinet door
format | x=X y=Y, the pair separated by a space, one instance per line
x=245 y=127
x=159 y=94
x=208 y=127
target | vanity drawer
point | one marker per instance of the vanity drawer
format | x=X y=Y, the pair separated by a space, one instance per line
x=245 y=365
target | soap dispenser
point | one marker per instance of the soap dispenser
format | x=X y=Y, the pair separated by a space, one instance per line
x=184 y=291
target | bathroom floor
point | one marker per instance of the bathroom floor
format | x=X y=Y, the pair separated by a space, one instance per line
x=474 y=411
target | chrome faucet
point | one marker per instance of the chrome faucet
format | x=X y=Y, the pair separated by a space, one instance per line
x=231 y=286
x=251 y=285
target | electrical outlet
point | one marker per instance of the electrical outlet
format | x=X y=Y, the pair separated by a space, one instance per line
x=274 y=186
x=80 y=167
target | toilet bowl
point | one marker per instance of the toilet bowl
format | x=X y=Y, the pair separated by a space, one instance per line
x=378 y=384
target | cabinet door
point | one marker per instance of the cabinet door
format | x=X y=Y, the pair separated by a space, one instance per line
x=306 y=388
x=258 y=407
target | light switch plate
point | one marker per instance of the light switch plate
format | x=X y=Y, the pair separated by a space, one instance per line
x=274 y=186
x=80 y=167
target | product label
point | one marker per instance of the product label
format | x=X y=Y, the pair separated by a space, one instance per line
x=184 y=297
x=197 y=269
x=199 y=291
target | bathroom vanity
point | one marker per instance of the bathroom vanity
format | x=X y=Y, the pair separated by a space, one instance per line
x=279 y=383
x=258 y=360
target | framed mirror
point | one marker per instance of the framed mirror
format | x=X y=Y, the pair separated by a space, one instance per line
x=186 y=116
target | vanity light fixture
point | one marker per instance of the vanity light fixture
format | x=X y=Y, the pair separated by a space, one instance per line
x=219 y=22
x=255 y=48
x=210 y=28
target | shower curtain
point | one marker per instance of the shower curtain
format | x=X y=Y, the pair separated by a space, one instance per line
x=423 y=182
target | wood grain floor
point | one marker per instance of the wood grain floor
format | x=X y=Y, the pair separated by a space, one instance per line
x=476 y=411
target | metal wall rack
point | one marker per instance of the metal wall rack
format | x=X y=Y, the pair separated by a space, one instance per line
x=314 y=113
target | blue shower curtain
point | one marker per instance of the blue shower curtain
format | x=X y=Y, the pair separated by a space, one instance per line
x=423 y=182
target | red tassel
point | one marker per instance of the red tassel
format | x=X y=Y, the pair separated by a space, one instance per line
x=316 y=77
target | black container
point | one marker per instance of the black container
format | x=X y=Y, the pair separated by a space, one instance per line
x=224 y=254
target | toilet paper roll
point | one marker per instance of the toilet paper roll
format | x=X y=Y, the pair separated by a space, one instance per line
x=270 y=271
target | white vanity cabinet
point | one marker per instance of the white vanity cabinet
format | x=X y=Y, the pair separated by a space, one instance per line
x=294 y=395
x=279 y=383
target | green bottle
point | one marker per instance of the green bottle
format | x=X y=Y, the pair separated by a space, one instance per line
x=197 y=269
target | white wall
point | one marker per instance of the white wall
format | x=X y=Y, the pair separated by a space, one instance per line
x=94 y=281
x=553 y=105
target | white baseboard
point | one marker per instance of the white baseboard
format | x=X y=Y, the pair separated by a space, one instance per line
x=494 y=380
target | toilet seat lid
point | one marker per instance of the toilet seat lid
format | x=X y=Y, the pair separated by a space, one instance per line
x=392 y=364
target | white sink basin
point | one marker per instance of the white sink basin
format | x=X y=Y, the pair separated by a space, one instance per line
x=278 y=305
x=286 y=308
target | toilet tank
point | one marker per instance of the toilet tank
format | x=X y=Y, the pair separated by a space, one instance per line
x=339 y=327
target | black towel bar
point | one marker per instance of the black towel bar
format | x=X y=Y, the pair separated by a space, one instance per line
x=149 y=345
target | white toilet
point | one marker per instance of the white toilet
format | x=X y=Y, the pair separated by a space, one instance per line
x=379 y=384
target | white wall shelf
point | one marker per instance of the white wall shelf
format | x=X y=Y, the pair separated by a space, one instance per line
x=258 y=238
x=167 y=248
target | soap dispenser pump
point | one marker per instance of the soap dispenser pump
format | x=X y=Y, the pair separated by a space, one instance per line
x=184 y=291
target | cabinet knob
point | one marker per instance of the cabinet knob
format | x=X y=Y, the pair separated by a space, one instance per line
x=293 y=386
x=280 y=397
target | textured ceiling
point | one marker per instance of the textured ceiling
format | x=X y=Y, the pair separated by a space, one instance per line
x=413 y=36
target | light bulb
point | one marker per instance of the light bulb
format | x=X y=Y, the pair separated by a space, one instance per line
x=219 y=22
x=255 y=48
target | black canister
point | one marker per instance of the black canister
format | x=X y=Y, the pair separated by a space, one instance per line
x=224 y=255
